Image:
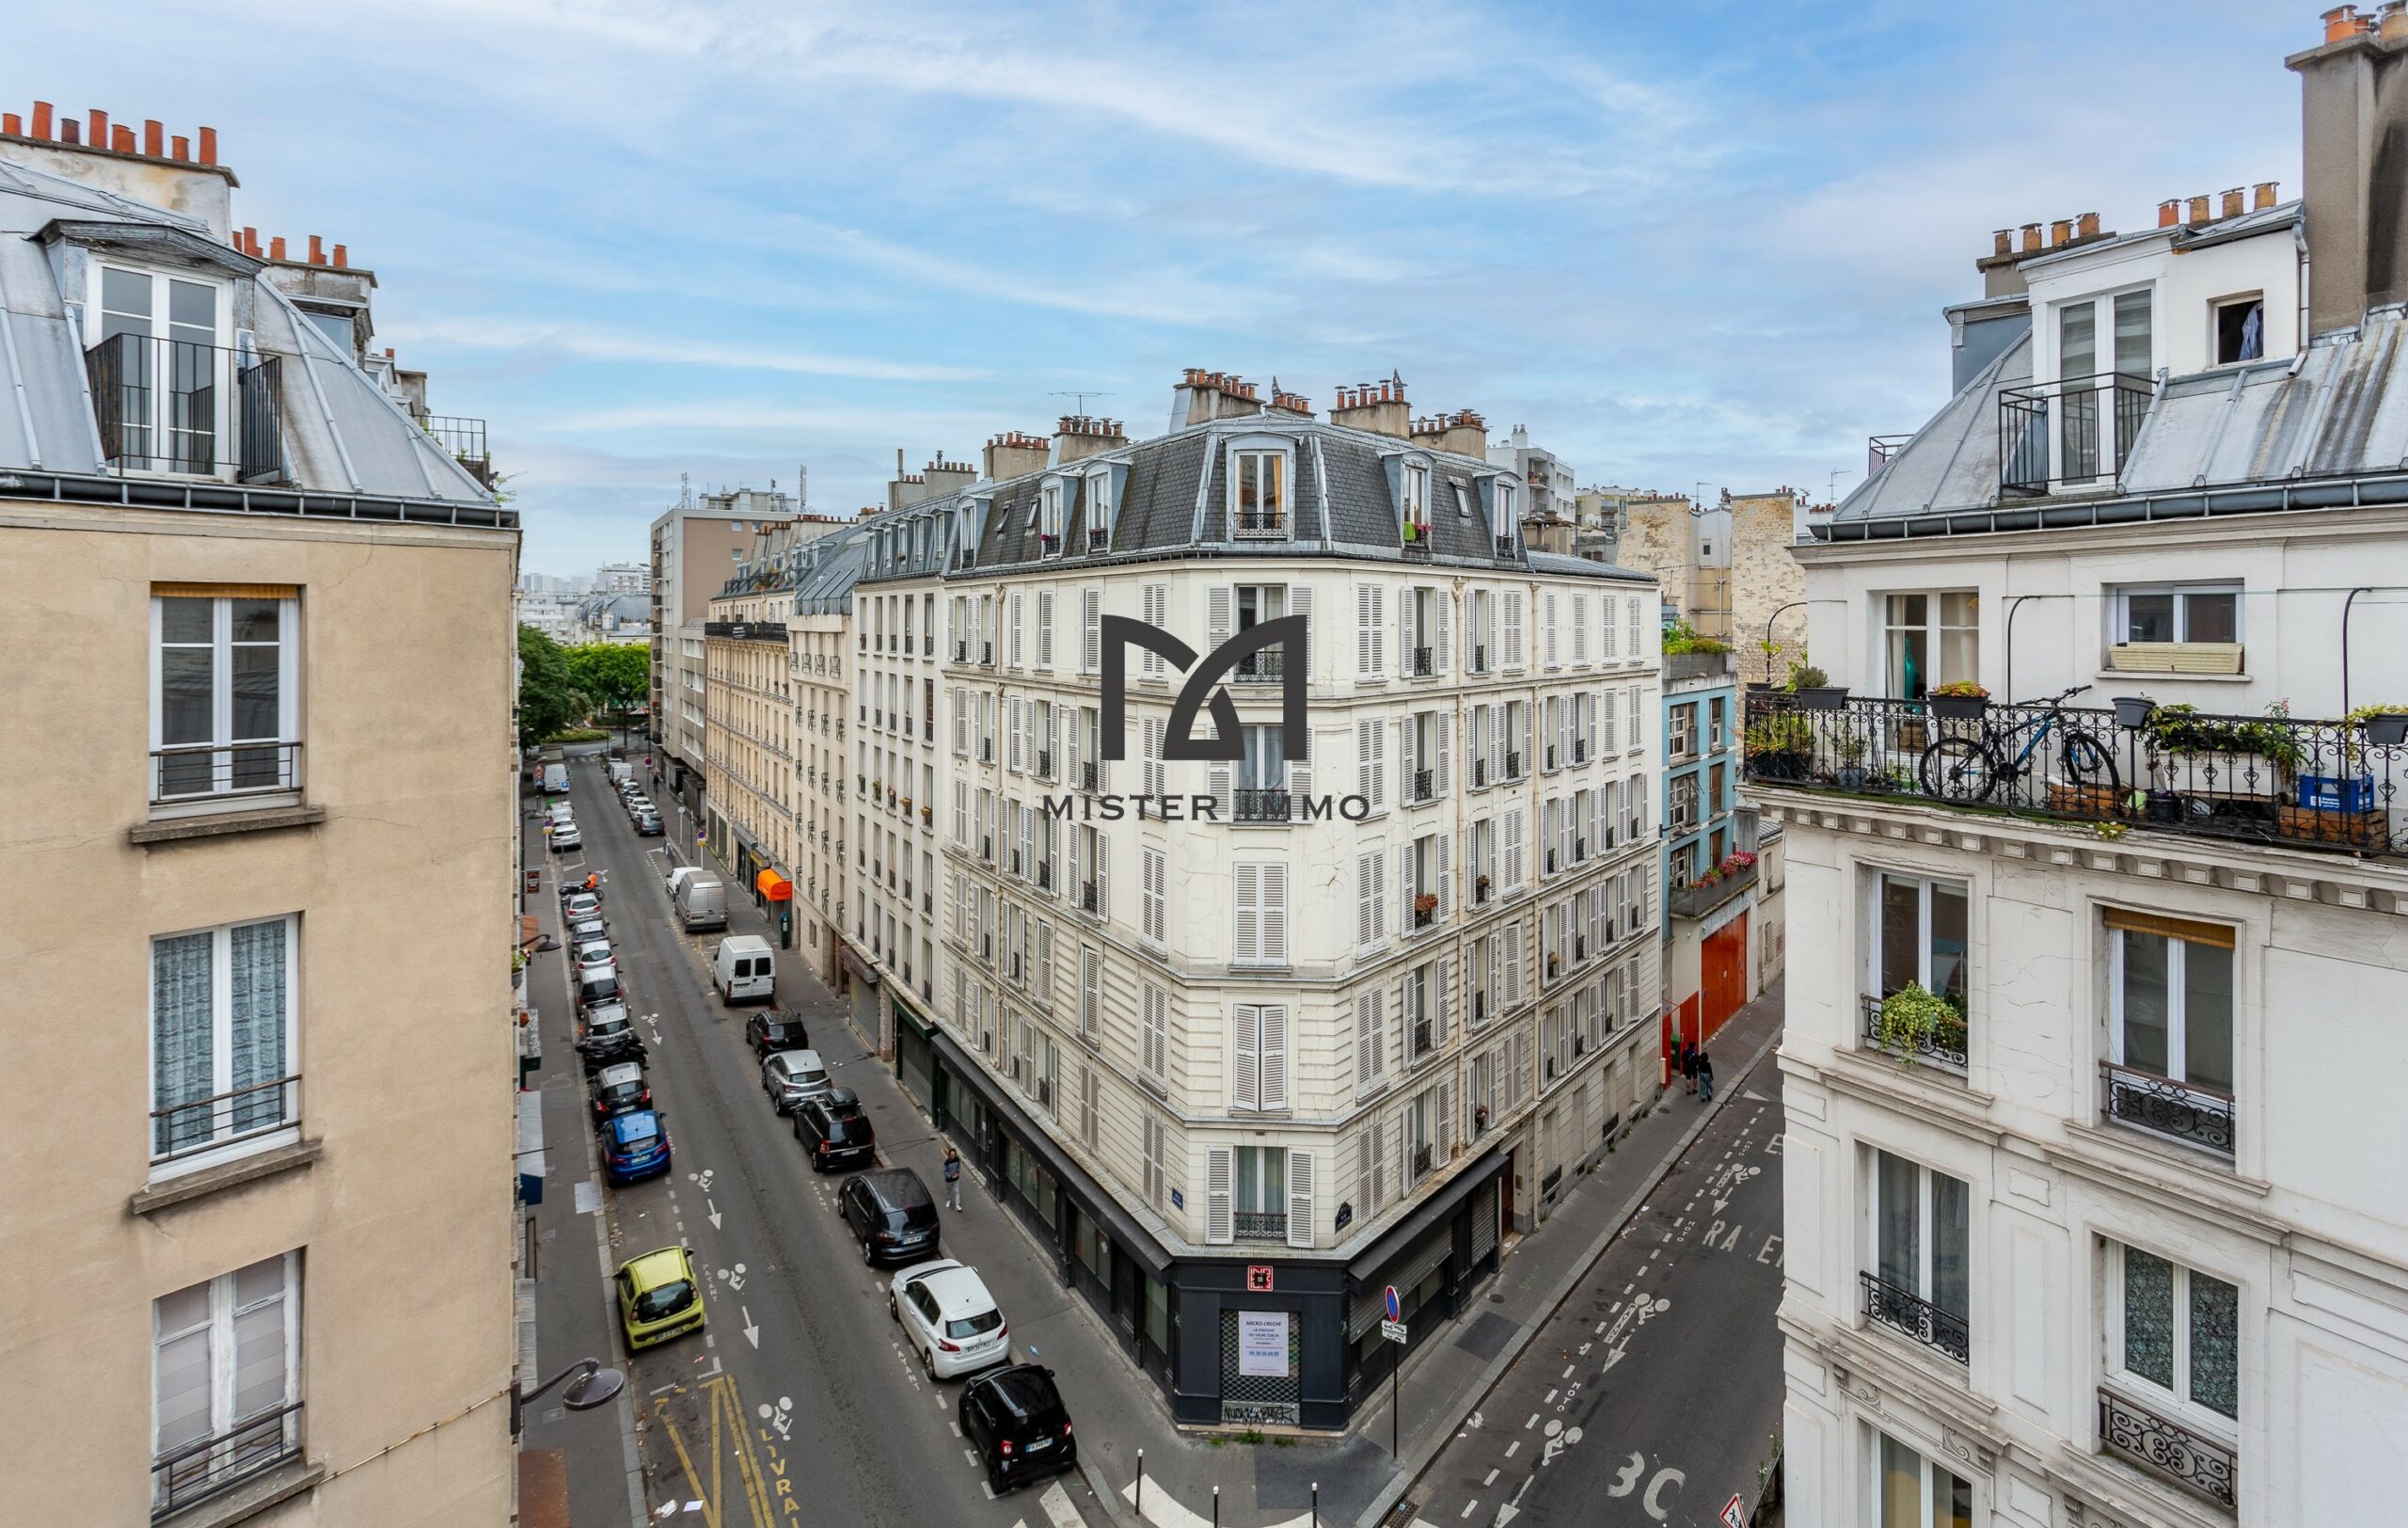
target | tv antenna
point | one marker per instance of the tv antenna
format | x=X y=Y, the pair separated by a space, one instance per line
x=1082 y=398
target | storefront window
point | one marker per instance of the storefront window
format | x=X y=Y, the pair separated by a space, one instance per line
x=1158 y=1314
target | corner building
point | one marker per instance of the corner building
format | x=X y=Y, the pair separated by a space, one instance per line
x=1346 y=1014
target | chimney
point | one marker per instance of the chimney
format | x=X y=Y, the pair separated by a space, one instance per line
x=2393 y=23
x=41 y=118
x=1015 y=453
x=1376 y=407
x=2002 y=242
x=2031 y=237
x=2234 y=202
x=121 y=139
x=11 y=125
x=154 y=140
x=68 y=133
x=2265 y=196
x=275 y=247
x=2086 y=226
x=342 y=257
x=1079 y=436
x=98 y=133
x=1203 y=395
x=181 y=148
x=317 y=250
x=2169 y=213
x=2353 y=114
x=209 y=146
x=2199 y=209
x=2060 y=231
x=1463 y=432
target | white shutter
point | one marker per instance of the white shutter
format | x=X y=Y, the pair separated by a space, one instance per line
x=1606 y=699
x=1580 y=628
x=1220 y=605
x=1369 y=1056
x=1446 y=873
x=961 y=722
x=1438 y=610
x=1371 y=775
x=1012 y=729
x=1020 y=610
x=1275 y=914
x=1408 y=619
x=1369 y=623
x=1045 y=964
x=1405 y=889
x=1446 y=1120
x=1077 y=863
x=1245 y=1057
x=1638 y=637
x=1300 y=602
x=1220 y=1225
x=1152 y=889
x=1300 y=1199
x=1408 y=759
x=1605 y=628
x=1272 y=1019
x=1246 y=924
x=961 y=813
x=1445 y=998
x=1517 y=834
x=1512 y=995
x=1588 y=708
x=1157 y=604
x=1090 y=631
x=1299 y=786
x=1156 y=1030
x=1103 y=876
x=1369 y=875
x=1446 y=750
x=1547 y=628
x=1045 y=628
x=1217 y=780
x=1638 y=728
x=1493 y=984
x=1047 y=743
x=1521 y=1064
x=1149 y=741
x=1513 y=652
x=1090 y=993
x=1071 y=756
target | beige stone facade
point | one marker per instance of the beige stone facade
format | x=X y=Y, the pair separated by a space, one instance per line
x=1764 y=577
x=822 y=675
x=749 y=787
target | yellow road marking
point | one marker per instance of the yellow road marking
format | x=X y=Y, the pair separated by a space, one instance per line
x=728 y=1426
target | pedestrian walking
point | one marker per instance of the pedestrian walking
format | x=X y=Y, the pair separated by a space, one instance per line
x=952 y=1179
x=1704 y=1077
x=1689 y=1066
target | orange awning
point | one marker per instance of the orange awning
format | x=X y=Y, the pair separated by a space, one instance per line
x=774 y=886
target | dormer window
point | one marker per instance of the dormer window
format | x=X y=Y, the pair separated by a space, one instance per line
x=1049 y=509
x=1259 y=495
x=161 y=383
x=1508 y=522
x=1416 y=506
x=1100 y=508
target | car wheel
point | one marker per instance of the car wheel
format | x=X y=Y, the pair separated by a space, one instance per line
x=869 y=1251
x=928 y=1364
x=892 y=1314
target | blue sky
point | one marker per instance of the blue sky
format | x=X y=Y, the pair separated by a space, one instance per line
x=1680 y=244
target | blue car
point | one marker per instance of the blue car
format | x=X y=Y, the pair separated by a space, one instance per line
x=634 y=1145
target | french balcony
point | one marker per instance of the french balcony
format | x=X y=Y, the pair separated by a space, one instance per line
x=1942 y=1046
x=986 y=654
x=1091 y=776
x=961 y=652
x=987 y=848
x=985 y=750
x=1087 y=902
x=1262 y=666
x=1903 y=1311
x=1255 y=806
x=1505 y=547
x=2166 y=1449
x=1424 y=1038
x=207 y=1467
x=1513 y=767
x=2183 y=1112
x=2074 y=433
x=1479 y=1009
x=1044 y=765
x=1479 y=773
x=1260 y=1225
x=1423 y=663
x=1099 y=538
x=1424 y=918
x=178 y=406
x=1581 y=752
x=1045 y=875
x=1261 y=525
x=1424 y=1159
x=1424 y=785
x=2314 y=785
x=202 y=1124
x=199 y=772
x=1479 y=658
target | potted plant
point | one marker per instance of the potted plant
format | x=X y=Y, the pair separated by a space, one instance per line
x=1480 y=885
x=1779 y=743
x=1958 y=700
x=2386 y=725
x=2226 y=756
x=1851 y=768
x=1426 y=903
x=1815 y=689
x=1913 y=1018
x=2132 y=712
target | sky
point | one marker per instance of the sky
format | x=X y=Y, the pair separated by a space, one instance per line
x=1682 y=244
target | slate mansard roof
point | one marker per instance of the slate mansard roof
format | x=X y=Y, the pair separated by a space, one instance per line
x=340 y=433
x=1173 y=500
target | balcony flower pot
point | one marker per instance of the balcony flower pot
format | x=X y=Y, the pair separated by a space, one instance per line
x=1426 y=902
x=1779 y=744
x=1958 y=701
x=2222 y=758
x=2132 y=712
x=2163 y=805
x=1822 y=697
x=2387 y=729
x=1913 y=1018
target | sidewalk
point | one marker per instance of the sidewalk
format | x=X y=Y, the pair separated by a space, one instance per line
x=1120 y=1411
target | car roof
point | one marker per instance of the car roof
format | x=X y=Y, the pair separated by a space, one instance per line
x=798 y=1059
x=613 y=1012
x=625 y=1124
x=619 y=1071
x=654 y=1268
x=958 y=1291
x=1022 y=1388
x=894 y=1185
x=749 y=942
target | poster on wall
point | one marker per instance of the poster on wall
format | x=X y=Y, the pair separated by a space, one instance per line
x=1262 y=1344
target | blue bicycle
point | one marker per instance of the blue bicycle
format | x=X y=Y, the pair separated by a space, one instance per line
x=1962 y=768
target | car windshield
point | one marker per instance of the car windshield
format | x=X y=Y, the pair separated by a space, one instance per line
x=606 y=1026
x=635 y=1130
x=910 y=1217
x=809 y=1077
x=975 y=1326
x=668 y=1300
x=1026 y=1396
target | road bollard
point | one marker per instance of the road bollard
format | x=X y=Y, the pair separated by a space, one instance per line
x=1316 y=1503
x=1141 y=1485
x=1216 y=1507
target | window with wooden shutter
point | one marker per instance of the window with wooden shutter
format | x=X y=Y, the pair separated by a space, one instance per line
x=1090 y=631
x=1090 y=993
x=1152 y=879
x=1156 y=1165
x=1150 y=756
x=1090 y=1092
x=1513 y=652
x=1157 y=1035
x=1371 y=767
x=961 y=722
x=1220 y=1223
x=1370 y=1056
x=1444 y=1008
x=1606 y=646
x=1637 y=633
x=1579 y=629
x=1446 y=887
x=1273 y=907
x=1246 y=920
x=1271 y=1027
x=1371 y=631
x=1220 y=608
x=1045 y=628
x=1245 y=1057
x=1045 y=964
x=1512 y=985
x=1019 y=611
x=1442 y=734
x=1102 y=876
x=1012 y=712
x=1521 y=1064
x=1517 y=834
x=1638 y=721
x=961 y=813
x=1300 y=1198
x=1370 y=883
x=1299 y=788
x=1547 y=625
x=1157 y=608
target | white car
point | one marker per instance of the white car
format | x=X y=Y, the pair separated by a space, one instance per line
x=594 y=955
x=584 y=931
x=580 y=905
x=564 y=839
x=948 y=1317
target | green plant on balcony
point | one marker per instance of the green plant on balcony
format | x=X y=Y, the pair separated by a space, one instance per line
x=1680 y=637
x=1913 y=1018
x=1779 y=744
x=2180 y=730
x=1961 y=689
x=1803 y=676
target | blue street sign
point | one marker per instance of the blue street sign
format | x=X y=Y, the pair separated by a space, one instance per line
x=1394 y=1310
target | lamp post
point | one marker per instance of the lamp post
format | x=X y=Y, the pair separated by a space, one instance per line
x=1768 y=621
x=590 y=1385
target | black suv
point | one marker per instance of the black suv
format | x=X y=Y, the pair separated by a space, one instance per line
x=892 y=1215
x=770 y=1031
x=835 y=1130
x=1015 y=1419
x=606 y=1035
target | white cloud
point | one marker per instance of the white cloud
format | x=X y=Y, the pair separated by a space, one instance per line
x=475 y=333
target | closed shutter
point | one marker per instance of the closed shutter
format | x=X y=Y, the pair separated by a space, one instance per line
x=1369 y=629
x=1088 y=1105
x=1513 y=652
x=1273 y=1031
x=1446 y=872
x=1408 y=619
x=1408 y=759
x=1220 y=606
x=1446 y=1120
x=1045 y=964
x=1218 y=779
x=1517 y=834
x=1589 y=715
x=1444 y=733
x=1605 y=647
x=1579 y=629
x=961 y=813
x=1220 y=1225
x=1370 y=769
x=1406 y=889
x=1149 y=741
x=1638 y=639
x=1275 y=914
x=1045 y=628
x=961 y=722
x=1370 y=1057
x=1078 y=734
x=1300 y=1199
x=962 y=1018
x=1020 y=602
x=1246 y=924
x=1152 y=888
x=1300 y=602
x=1546 y=633
x=1103 y=876
x=1155 y=1166
x=1442 y=621
x=1156 y=1030
x=1299 y=786
x=1445 y=998
x=1638 y=727
x=1090 y=631
x=1606 y=699
x=1157 y=606
x=1090 y=993
x=1511 y=991
x=1371 y=876
x=1012 y=730
x=1046 y=744
x=1245 y=1057
x=1494 y=982
x=1521 y=1064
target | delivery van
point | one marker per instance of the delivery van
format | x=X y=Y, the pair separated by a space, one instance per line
x=745 y=970
x=701 y=904
x=556 y=779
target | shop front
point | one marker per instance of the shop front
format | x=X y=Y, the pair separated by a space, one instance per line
x=915 y=1054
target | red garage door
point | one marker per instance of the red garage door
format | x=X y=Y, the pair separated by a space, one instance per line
x=1722 y=975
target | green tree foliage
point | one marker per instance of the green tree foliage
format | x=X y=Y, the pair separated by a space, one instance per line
x=548 y=698
x=616 y=677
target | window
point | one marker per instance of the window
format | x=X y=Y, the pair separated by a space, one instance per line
x=160 y=371
x=2238 y=328
x=223 y=693
x=2171 y=613
x=225 y=1378
x=1153 y=876
x=1919 y=938
x=1683 y=733
x=1259 y=485
x=2174 y=1331
x=1931 y=639
x=1911 y=1491
x=1415 y=505
x=1259 y=1049
x=2170 y=1043
x=1261 y=914
x=221 y=1041
x=1920 y=1281
x=1261 y=1187
x=1050 y=509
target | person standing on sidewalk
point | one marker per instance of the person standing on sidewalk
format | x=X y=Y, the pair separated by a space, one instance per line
x=952 y=1179
x=1704 y=1077
x=1689 y=1066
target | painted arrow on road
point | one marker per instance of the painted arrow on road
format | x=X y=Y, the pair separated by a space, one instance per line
x=752 y=1332
x=713 y=1215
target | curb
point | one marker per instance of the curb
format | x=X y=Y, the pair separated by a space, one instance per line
x=1106 y=1497
x=1417 y=1462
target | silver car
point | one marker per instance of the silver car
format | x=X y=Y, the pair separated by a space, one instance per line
x=790 y=1076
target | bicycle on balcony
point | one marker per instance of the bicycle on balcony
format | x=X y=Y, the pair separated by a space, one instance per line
x=1962 y=767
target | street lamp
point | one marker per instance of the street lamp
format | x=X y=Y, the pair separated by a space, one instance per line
x=1769 y=620
x=589 y=1385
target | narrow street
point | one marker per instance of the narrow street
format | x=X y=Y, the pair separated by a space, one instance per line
x=798 y=1404
x=1652 y=1393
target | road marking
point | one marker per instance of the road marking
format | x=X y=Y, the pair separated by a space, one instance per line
x=1470 y=1505
x=726 y=1407
x=1515 y=1446
x=1567 y=1371
x=1532 y=1422
x=752 y=1332
x=1059 y=1510
x=1491 y=1477
x=714 y=1209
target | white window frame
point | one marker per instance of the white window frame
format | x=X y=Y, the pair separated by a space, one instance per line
x=2176 y=1400
x=1240 y=453
x=221 y=1018
x=223 y=1356
x=2181 y=594
x=1924 y=1517
x=224 y=373
x=222 y=789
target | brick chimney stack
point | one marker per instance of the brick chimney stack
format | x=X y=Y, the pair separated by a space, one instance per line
x=1376 y=407
x=1463 y=432
x=1015 y=453
x=123 y=159
x=1079 y=436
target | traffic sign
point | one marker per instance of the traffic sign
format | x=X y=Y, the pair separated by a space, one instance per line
x=1395 y=1310
x=1392 y=1330
x=1731 y=1515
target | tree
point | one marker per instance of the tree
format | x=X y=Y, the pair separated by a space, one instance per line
x=614 y=675
x=549 y=699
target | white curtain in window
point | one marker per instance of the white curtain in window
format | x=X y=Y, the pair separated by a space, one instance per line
x=256 y=958
x=180 y=1039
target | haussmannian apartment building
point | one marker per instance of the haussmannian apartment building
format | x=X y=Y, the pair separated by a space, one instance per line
x=256 y=927
x=1264 y=1063
x=2094 y=1205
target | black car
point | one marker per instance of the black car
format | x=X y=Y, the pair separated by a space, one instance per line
x=1016 y=1421
x=620 y=1088
x=892 y=1213
x=769 y=1031
x=606 y=1035
x=835 y=1130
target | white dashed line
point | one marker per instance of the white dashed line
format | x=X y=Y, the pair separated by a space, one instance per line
x=1491 y=1477
x=1515 y=1446
x=1532 y=1422
x=1470 y=1505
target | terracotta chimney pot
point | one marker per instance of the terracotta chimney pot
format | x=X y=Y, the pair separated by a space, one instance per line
x=98 y=131
x=154 y=140
x=180 y=147
x=209 y=146
x=12 y=124
x=2341 y=22
x=275 y=247
x=2002 y=242
x=2169 y=212
x=342 y=257
x=121 y=139
x=41 y=118
x=317 y=250
x=2086 y=226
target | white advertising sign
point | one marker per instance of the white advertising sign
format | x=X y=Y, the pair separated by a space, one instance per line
x=1262 y=1343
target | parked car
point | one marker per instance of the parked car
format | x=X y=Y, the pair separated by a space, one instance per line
x=555 y=779
x=601 y=990
x=790 y=1076
x=659 y=1297
x=620 y=1088
x=835 y=1130
x=594 y=955
x=648 y=826
x=772 y=1031
x=744 y=970
x=637 y=803
x=701 y=904
x=892 y=1215
x=635 y=1145
x=607 y=1034
x=948 y=1319
x=567 y=837
x=1014 y=1418
x=678 y=875
x=586 y=931
x=579 y=905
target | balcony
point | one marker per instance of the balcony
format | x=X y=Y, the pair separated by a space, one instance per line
x=464 y=441
x=1513 y=767
x=1878 y=449
x=1581 y=752
x=1045 y=875
x=1260 y=525
x=1424 y=1159
x=205 y=1467
x=222 y=772
x=203 y=1125
x=1424 y=785
x=1701 y=896
x=2073 y=433
x=965 y=557
x=1505 y=547
x=1424 y=660
x=1424 y=1038
x=1479 y=773
x=1261 y=666
x=176 y=405
x=1091 y=776
x=1903 y=1311
x=1099 y=538
x=1260 y=1225
x=1943 y=1047
x=1696 y=666
x=1479 y=658
x=2183 y=1112
x=1044 y=765
x=1425 y=918
x=1086 y=898
x=1255 y=806
x=2301 y=784
x=2166 y=1449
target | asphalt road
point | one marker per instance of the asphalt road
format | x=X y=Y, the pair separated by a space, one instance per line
x=1651 y=1396
x=799 y=1405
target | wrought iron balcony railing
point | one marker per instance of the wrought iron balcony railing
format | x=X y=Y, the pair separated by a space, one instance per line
x=194 y=1472
x=2314 y=785
x=1261 y=525
x=1260 y=1225
x=1940 y=1047
x=202 y=1124
x=1260 y=806
x=1423 y=662
x=1513 y=767
x=1425 y=785
x=2166 y=1448
x=178 y=406
x=2185 y=1112
x=204 y=772
x=2070 y=433
x=1903 y=1311
x=1087 y=897
x=1264 y=663
x=1478 y=773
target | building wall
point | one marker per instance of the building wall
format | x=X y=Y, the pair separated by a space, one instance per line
x=414 y=854
x=692 y=557
x=894 y=818
x=1765 y=577
x=749 y=781
x=822 y=668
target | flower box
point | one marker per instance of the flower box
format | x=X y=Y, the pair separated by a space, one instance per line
x=1959 y=708
x=1822 y=697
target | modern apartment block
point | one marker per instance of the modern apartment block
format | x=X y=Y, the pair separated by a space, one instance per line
x=256 y=932
x=1251 y=1039
x=2093 y=1201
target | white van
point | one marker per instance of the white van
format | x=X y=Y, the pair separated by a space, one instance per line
x=678 y=875
x=702 y=902
x=745 y=969
x=621 y=772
